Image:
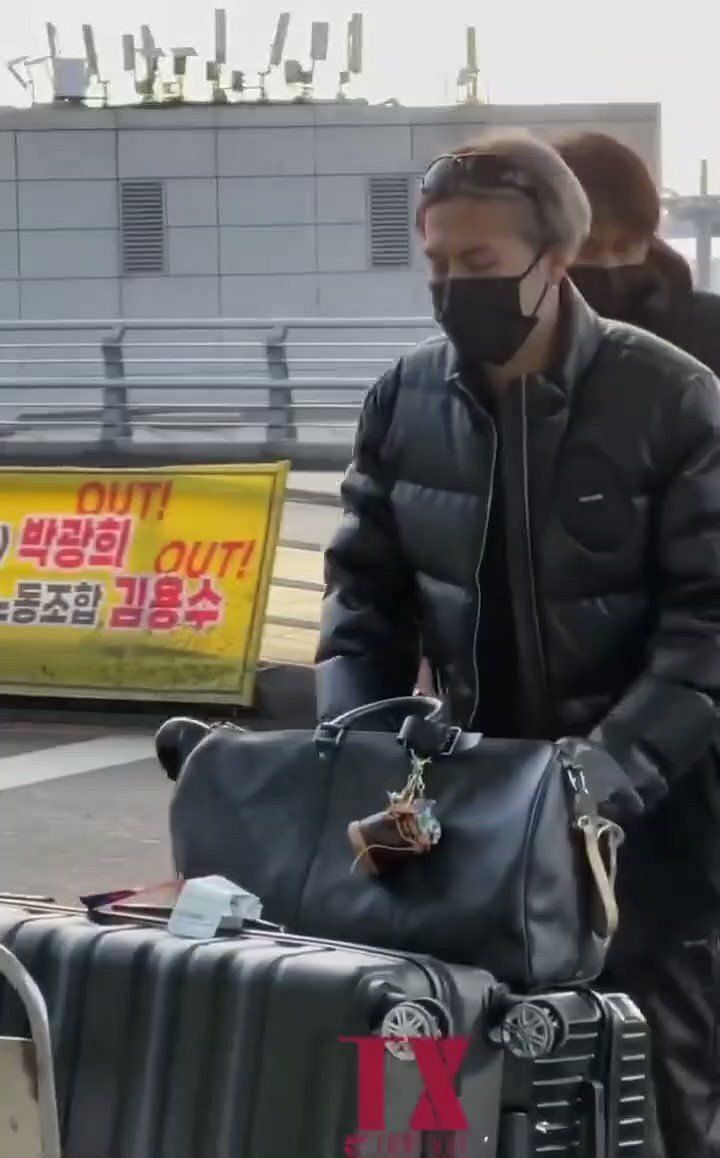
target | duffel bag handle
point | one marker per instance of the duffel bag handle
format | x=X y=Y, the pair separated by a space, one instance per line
x=429 y=707
x=423 y=729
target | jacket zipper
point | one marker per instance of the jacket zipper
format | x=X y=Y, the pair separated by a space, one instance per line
x=484 y=417
x=539 y=645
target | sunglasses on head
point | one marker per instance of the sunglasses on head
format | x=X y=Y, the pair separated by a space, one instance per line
x=454 y=173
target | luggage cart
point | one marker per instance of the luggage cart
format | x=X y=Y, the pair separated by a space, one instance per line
x=28 y=1108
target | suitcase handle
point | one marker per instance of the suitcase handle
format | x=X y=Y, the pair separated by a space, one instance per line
x=148 y=915
x=157 y=917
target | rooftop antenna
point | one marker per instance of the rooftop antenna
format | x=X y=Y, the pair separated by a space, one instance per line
x=180 y=57
x=69 y=74
x=354 y=53
x=51 y=60
x=295 y=74
x=277 y=49
x=52 y=39
x=278 y=45
x=214 y=68
x=90 y=54
x=704 y=187
x=468 y=76
x=129 y=55
x=319 y=37
x=220 y=36
x=152 y=55
x=91 y=61
x=238 y=83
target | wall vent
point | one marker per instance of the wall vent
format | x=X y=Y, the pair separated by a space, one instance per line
x=389 y=221
x=142 y=221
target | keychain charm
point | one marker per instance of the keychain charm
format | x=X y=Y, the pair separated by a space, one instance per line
x=407 y=827
x=427 y=822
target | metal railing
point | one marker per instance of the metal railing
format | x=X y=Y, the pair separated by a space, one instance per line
x=148 y=391
x=291 y=625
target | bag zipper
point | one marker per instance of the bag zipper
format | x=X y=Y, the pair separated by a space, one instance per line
x=580 y=794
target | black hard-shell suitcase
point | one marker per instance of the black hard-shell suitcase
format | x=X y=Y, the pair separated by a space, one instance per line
x=167 y=1048
x=229 y=1049
x=584 y=1094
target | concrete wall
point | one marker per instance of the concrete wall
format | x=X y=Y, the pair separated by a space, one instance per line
x=266 y=206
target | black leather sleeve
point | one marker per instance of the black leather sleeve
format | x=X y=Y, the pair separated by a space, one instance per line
x=369 y=646
x=668 y=718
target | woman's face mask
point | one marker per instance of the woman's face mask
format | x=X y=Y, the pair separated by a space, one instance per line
x=619 y=292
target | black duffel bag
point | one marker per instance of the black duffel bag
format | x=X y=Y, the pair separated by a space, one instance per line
x=520 y=881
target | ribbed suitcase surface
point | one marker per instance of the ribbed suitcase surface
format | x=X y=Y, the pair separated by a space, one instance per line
x=229 y=1049
x=588 y=1096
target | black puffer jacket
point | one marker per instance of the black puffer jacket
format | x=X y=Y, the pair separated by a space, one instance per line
x=669 y=306
x=612 y=508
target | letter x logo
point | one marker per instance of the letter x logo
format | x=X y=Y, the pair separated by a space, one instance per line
x=438 y=1060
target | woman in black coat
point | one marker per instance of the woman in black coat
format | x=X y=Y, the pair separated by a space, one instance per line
x=625 y=271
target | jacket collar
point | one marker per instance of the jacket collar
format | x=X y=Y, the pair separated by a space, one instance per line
x=580 y=340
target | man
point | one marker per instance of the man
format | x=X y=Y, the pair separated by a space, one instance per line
x=536 y=498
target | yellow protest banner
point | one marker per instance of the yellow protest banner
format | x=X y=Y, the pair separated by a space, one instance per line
x=136 y=584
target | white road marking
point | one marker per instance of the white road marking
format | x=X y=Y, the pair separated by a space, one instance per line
x=73 y=759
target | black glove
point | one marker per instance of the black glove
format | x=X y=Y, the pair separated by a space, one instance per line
x=612 y=790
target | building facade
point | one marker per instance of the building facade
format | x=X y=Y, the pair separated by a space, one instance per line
x=247 y=210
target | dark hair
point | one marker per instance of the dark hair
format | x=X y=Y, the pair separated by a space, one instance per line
x=559 y=212
x=617 y=182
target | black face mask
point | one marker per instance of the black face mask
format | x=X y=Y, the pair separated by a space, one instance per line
x=623 y=292
x=482 y=316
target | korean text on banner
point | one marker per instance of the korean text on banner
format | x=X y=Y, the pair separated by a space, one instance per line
x=136 y=583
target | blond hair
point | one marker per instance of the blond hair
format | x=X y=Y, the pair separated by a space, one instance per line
x=559 y=214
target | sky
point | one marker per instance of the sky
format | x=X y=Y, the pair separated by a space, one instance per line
x=530 y=52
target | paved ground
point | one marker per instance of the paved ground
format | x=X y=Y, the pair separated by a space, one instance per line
x=83 y=805
x=82 y=808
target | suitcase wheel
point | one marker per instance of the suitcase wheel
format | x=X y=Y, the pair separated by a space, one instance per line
x=406 y=1019
x=530 y=1029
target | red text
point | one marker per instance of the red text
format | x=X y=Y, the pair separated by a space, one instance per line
x=229 y=558
x=438 y=1060
x=144 y=499
x=165 y=603
x=75 y=543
